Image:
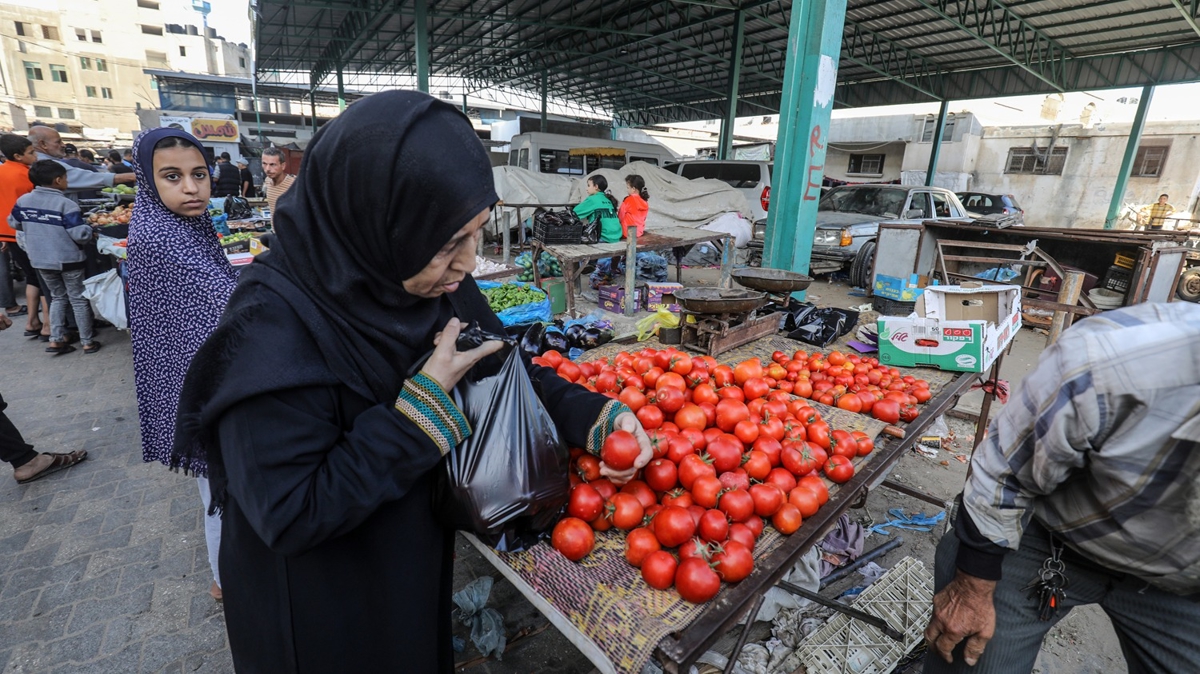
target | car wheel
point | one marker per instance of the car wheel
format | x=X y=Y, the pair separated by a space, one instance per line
x=860 y=270
x=1189 y=285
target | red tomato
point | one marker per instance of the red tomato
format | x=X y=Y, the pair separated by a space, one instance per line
x=747 y=370
x=673 y=525
x=886 y=410
x=714 y=526
x=756 y=525
x=669 y=399
x=850 y=402
x=742 y=534
x=767 y=499
x=798 y=458
x=839 y=469
x=573 y=538
x=726 y=453
x=735 y=479
x=585 y=502
x=658 y=569
x=772 y=427
x=661 y=475
x=639 y=543
x=705 y=393
x=696 y=547
x=569 y=371
x=722 y=376
x=710 y=415
x=695 y=437
x=670 y=380
x=817 y=486
x=746 y=431
x=842 y=443
x=588 y=467
x=679 y=448
x=553 y=358
x=632 y=398
x=697 y=512
x=690 y=416
x=867 y=399
x=770 y=447
x=732 y=393
x=922 y=394
x=696 y=581
x=606 y=382
x=705 y=490
x=620 y=450
x=757 y=464
x=738 y=504
x=624 y=511
x=803 y=388
x=756 y=387
x=679 y=363
x=733 y=562
x=909 y=413
x=650 y=416
x=729 y=413
x=787 y=519
x=805 y=500
x=643 y=492
x=711 y=434
x=693 y=466
x=865 y=444
x=782 y=478
x=818 y=434
x=677 y=497
x=836 y=358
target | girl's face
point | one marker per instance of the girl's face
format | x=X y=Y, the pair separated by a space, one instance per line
x=632 y=190
x=182 y=178
x=452 y=263
x=592 y=189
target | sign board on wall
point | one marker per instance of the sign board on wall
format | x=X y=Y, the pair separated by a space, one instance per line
x=181 y=123
x=215 y=130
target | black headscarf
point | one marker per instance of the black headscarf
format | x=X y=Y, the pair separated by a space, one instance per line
x=381 y=190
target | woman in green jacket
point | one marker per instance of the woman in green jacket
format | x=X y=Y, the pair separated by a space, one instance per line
x=601 y=206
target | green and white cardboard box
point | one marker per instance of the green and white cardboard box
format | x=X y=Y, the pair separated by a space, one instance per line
x=961 y=328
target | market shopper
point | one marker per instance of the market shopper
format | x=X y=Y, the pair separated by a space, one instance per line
x=71 y=157
x=227 y=180
x=179 y=283
x=276 y=181
x=27 y=464
x=14 y=183
x=1095 y=459
x=48 y=144
x=116 y=165
x=1159 y=212
x=600 y=206
x=320 y=442
x=247 y=180
x=54 y=236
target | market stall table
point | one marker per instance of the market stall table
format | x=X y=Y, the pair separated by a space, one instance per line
x=604 y=608
x=572 y=257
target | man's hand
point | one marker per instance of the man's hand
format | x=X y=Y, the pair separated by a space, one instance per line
x=629 y=422
x=122 y=178
x=964 y=609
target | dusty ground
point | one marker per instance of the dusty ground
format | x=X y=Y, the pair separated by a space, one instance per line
x=1083 y=642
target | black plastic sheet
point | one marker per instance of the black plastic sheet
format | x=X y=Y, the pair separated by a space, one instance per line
x=507 y=482
x=819 y=327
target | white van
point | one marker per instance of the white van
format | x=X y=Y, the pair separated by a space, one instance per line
x=577 y=156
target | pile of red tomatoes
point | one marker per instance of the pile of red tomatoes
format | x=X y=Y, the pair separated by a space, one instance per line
x=734 y=450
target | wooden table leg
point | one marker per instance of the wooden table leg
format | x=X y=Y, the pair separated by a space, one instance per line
x=570 y=275
x=986 y=406
x=680 y=252
x=727 y=262
x=630 y=271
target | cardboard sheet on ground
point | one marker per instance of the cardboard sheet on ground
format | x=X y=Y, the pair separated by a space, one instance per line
x=675 y=201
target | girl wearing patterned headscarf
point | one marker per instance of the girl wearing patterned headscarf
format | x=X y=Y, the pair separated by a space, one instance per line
x=322 y=444
x=179 y=283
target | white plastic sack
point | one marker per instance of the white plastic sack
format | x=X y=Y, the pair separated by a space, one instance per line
x=106 y=292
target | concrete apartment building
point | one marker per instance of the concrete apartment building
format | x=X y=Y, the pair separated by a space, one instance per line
x=80 y=62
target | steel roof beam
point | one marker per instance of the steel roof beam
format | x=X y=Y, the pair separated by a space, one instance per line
x=1190 y=9
x=358 y=26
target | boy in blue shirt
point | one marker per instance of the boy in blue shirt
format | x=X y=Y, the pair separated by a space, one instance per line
x=53 y=232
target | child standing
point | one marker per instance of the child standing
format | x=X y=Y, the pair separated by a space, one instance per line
x=54 y=233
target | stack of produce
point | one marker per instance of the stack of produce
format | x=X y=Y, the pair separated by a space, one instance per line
x=509 y=295
x=548 y=266
x=735 y=450
x=120 y=189
x=117 y=216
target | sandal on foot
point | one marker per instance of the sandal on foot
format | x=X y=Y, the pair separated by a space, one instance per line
x=60 y=350
x=44 y=338
x=60 y=462
x=19 y=312
x=33 y=333
x=91 y=348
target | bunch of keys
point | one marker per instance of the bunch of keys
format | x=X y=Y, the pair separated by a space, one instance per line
x=1050 y=585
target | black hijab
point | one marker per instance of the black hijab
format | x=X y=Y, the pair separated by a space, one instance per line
x=381 y=190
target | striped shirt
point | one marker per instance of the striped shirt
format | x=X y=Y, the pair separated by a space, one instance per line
x=1158 y=214
x=274 y=190
x=1101 y=444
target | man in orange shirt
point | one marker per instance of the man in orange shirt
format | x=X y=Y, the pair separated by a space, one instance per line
x=14 y=182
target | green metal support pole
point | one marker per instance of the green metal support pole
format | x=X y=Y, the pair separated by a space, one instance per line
x=545 y=86
x=341 y=90
x=1131 y=148
x=725 y=149
x=810 y=76
x=312 y=101
x=421 y=28
x=464 y=104
x=931 y=172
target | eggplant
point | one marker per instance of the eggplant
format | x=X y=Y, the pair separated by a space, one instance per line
x=531 y=342
x=574 y=334
x=553 y=339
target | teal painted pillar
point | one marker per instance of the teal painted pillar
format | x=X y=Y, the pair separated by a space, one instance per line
x=464 y=104
x=725 y=149
x=421 y=28
x=1131 y=147
x=545 y=86
x=810 y=76
x=931 y=172
x=341 y=90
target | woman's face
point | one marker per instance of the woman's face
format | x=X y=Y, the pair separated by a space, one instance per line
x=452 y=264
x=592 y=189
x=182 y=178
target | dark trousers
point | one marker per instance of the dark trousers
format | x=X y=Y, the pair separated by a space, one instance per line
x=13 y=447
x=1157 y=629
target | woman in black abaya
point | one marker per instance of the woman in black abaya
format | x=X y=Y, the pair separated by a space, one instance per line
x=320 y=449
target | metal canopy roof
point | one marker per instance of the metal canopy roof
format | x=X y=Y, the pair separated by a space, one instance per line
x=651 y=61
x=241 y=86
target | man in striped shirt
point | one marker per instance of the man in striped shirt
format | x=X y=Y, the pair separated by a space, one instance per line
x=276 y=180
x=1098 y=455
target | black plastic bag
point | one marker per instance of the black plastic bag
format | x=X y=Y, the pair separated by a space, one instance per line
x=820 y=327
x=507 y=482
x=591 y=231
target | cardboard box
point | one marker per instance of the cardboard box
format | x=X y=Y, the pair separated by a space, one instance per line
x=612 y=298
x=239 y=259
x=900 y=289
x=662 y=296
x=257 y=247
x=961 y=328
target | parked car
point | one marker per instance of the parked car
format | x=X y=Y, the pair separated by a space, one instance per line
x=751 y=178
x=993 y=204
x=848 y=220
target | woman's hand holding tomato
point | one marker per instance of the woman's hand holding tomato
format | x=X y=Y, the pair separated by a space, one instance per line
x=629 y=423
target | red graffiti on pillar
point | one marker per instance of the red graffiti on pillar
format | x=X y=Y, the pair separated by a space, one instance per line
x=814 y=144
